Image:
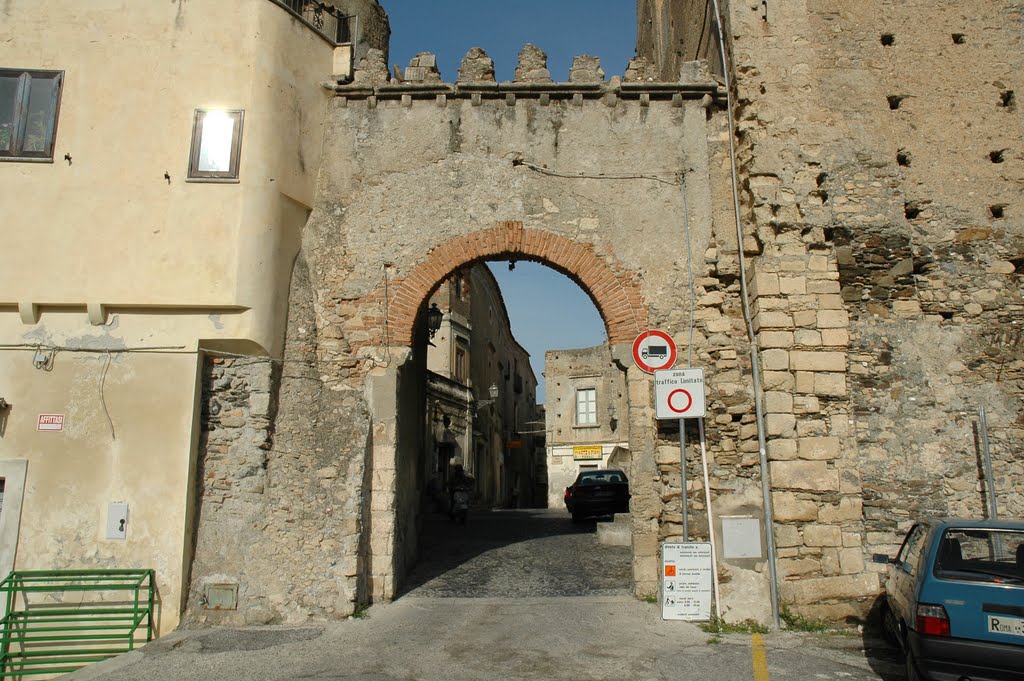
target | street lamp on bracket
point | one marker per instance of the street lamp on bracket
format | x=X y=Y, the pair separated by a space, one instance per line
x=434 y=318
x=493 y=392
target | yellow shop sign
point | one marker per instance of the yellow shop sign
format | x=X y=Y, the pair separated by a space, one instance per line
x=587 y=452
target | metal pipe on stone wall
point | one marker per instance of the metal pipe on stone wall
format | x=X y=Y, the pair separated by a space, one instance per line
x=990 y=483
x=769 y=522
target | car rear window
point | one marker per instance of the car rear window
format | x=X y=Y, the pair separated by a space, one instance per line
x=981 y=555
x=602 y=478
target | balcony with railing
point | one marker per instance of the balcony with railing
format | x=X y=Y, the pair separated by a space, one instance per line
x=324 y=18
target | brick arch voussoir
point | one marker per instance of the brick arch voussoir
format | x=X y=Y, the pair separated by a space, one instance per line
x=614 y=289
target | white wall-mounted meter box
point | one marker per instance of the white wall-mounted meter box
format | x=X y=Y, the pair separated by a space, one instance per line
x=117 y=520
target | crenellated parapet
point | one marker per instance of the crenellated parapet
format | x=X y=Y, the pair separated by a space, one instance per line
x=476 y=81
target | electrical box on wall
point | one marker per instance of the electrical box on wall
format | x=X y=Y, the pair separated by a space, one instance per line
x=741 y=537
x=117 y=520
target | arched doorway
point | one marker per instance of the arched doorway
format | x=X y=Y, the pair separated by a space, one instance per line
x=395 y=499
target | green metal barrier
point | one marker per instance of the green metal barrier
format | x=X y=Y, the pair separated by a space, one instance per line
x=43 y=632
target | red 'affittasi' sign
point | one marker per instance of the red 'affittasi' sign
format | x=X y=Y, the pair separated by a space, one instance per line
x=50 y=422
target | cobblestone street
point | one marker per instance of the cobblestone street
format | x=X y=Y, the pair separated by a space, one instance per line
x=513 y=594
x=516 y=554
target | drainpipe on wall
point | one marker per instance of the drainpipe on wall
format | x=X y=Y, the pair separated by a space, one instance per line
x=769 y=522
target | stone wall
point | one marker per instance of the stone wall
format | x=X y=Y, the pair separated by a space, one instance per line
x=281 y=509
x=849 y=119
x=879 y=169
x=672 y=32
x=424 y=178
x=373 y=31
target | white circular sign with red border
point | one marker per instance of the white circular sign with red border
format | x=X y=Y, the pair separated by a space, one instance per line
x=654 y=350
x=679 y=393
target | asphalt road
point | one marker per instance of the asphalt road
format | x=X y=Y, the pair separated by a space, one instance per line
x=512 y=595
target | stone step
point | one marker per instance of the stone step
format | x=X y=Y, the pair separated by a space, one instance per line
x=616 y=533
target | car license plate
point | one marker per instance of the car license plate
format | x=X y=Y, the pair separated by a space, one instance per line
x=1002 y=624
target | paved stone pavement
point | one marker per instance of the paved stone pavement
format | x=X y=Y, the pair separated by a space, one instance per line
x=517 y=554
x=512 y=595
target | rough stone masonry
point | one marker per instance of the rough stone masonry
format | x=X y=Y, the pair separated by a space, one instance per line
x=880 y=168
x=879 y=180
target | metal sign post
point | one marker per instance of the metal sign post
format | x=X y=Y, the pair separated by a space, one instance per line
x=688 y=568
x=682 y=478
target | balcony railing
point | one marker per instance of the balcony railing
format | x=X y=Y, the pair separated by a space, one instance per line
x=323 y=18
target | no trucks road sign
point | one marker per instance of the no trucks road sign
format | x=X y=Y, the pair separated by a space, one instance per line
x=679 y=394
x=653 y=350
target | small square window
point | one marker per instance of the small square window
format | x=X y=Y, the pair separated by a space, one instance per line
x=216 y=145
x=29 y=102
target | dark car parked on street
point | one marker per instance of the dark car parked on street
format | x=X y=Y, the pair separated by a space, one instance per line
x=954 y=600
x=597 y=493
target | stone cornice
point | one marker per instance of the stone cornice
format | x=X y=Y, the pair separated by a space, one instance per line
x=542 y=91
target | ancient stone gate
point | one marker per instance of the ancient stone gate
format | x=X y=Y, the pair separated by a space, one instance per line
x=616 y=184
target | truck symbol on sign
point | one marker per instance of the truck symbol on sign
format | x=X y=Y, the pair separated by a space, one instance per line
x=656 y=351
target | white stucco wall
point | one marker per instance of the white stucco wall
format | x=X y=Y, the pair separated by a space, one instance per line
x=172 y=263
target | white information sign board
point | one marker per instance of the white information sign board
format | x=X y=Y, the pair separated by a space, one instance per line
x=686 y=581
x=679 y=394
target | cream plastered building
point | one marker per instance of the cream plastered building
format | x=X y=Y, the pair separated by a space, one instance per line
x=119 y=270
x=586 y=417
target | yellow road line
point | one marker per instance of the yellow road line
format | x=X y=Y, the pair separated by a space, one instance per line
x=760 y=658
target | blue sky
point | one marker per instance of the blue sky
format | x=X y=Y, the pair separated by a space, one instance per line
x=562 y=28
x=548 y=311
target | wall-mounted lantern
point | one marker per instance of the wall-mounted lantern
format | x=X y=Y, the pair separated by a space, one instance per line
x=493 y=392
x=434 y=317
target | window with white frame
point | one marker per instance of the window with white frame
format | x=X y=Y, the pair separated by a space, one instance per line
x=586 y=407
x=216 y=145
x=29 y=102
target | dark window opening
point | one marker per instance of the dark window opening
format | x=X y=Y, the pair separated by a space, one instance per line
x=1006 y=98
x=458 y=284
x=29 y=103
x=888 y=39
x=959 y=38
x=912 y=210
x=895 y=101
x=461 y=363
x=903 y=158
x=996 y=156
x=997 y=211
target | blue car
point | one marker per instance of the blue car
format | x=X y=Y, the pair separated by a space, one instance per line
x=954 y=600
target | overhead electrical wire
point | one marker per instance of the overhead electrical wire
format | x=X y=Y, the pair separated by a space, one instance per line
x=518 y=160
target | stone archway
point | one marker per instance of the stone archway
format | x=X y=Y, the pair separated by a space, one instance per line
x=614 y=290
